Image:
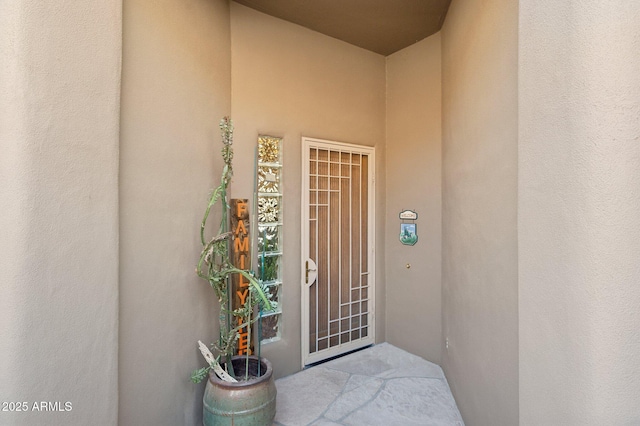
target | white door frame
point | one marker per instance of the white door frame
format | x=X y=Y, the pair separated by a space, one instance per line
x=307 y=144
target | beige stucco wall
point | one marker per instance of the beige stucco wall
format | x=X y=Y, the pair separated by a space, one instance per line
x=579 y=212
x=175 y=88
x=479 y=250
x=291 y=82
x=59 y=112
x=414 y=181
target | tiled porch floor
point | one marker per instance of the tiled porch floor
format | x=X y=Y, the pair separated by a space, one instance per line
x=380 y=385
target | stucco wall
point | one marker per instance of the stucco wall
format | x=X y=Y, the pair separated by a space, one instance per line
x=479 y=250
x=175 y=88
x=291 y=82
x=59 y=112
x=579 y=212
x=414 y=181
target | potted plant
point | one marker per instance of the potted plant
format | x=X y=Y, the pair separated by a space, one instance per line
x=240 y=389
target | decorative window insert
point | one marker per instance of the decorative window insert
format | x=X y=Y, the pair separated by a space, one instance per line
x=270 y=232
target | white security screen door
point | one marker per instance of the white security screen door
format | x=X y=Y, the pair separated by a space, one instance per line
x=337 y=248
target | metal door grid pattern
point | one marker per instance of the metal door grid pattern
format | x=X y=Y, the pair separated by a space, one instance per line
x=338 y=207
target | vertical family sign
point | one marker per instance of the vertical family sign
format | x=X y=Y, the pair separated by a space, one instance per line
x=240 y=259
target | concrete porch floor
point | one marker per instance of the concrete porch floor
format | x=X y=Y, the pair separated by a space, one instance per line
x=380 y=385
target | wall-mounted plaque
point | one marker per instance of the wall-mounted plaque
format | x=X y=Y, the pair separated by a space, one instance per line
x=408 y=235
x=408 y=215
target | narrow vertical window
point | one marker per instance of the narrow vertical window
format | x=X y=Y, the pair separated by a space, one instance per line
x=270 y=232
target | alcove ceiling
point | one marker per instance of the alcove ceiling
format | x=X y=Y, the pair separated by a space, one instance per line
x=382 y=26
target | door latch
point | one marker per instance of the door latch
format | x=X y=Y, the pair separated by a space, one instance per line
x=310 y=266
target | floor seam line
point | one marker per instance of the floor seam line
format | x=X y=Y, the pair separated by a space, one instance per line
x=334 y=399
x=384 y=383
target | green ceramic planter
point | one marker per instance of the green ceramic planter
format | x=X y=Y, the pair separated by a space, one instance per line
x=245 y=403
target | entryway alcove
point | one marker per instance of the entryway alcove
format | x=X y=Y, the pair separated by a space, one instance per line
x=512 y=132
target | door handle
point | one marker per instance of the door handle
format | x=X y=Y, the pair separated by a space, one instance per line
x=310 y=266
